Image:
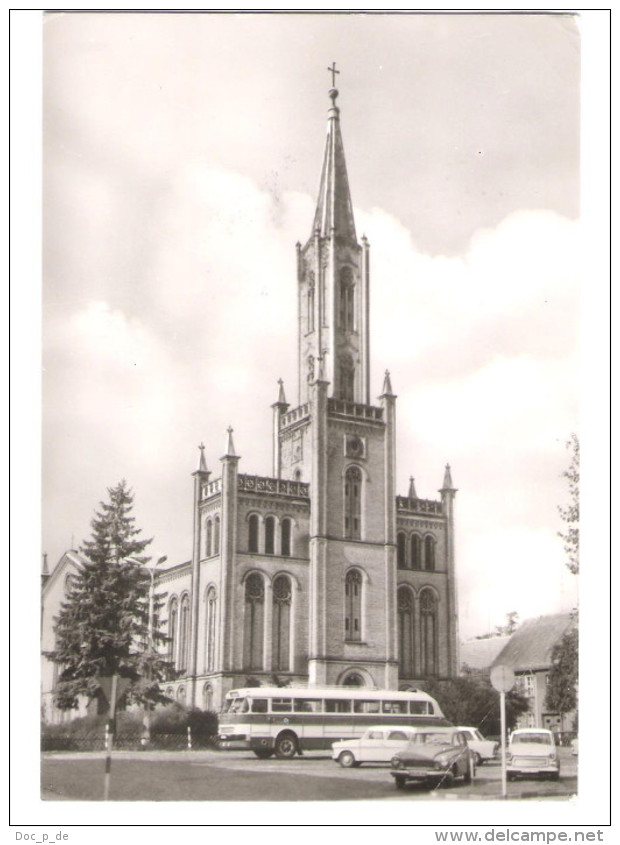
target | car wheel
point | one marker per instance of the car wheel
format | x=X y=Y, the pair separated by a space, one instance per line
x=400 y=782
x=554 y=776
x=263 y=753
x=477 y=759
x=286 y=746
x=469 y=773
x=346 y=760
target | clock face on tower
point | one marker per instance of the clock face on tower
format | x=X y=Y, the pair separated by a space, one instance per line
x=354 y=446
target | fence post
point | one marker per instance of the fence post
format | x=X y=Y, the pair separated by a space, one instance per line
x=189 y=738
x=111 y=723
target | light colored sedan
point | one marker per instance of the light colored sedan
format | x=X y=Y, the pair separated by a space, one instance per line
x=483 y=749
x=377 y=745
x=532 y=751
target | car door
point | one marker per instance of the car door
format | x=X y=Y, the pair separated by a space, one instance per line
x=395 y=742
x=460 y=741
x=373 y=749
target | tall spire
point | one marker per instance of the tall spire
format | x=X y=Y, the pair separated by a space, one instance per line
x=202 y=463
x=412 y=493
x=447 y=481
x=230 y=446
x=387 y=385
x=334 y=210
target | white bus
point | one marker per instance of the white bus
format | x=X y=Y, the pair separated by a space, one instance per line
x=286 y=720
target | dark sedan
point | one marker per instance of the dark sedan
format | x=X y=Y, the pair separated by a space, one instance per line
x=434 y=755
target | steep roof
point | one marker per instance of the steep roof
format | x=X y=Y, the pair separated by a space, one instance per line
x=334 y=210
x=530 y=647
x=480 y=654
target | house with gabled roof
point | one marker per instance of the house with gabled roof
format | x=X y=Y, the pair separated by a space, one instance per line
x=528 y=654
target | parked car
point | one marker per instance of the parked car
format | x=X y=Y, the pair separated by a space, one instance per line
x=437 y=755
x=376 y=745
x=483 y=749
x=532 y=751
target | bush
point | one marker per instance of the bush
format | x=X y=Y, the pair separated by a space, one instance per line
x=168 y=730
x=175 y=719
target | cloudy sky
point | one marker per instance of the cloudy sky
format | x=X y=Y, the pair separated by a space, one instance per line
x=182 y=160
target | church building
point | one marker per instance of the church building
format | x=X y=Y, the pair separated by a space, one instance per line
x=319 y=573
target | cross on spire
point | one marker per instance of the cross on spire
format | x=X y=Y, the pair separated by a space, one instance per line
x=333 y=72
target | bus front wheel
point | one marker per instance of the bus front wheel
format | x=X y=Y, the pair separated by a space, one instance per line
x=286 y=746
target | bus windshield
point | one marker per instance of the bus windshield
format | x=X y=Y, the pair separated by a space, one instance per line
x=238 y=705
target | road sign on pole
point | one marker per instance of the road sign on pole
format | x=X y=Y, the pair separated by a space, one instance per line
x=503 y=680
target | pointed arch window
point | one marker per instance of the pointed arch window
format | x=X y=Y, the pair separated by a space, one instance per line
x=216 y=535
x=405 y=633
x=209 y=540
x=416 y=552
x=346 y=304
x=183 y=633
x=173 y=616
x=428 y=632
x=211 y=608
x=310 y=302
x=286 y=537
x=270 y=535
x=282 y=599
x=346 y=375
x=429 y=553
x=353 y=605
x=254 y=621
x=353 y=503
x=401 y=550
x=253 y=533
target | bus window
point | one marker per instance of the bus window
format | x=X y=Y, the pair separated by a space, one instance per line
x=281 y=705
x=308 y=705
x=337 y=705
x=418 y=707
x=260 y=705
x=366 y=706
x=239 y=705
x=394 y=707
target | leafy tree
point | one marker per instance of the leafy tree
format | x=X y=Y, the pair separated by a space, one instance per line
x=564 y=674
x=570 y=514
x=512 y=623
x=472 y=701
x=103 y=626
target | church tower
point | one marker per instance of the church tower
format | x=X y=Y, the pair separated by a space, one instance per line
x=332 y=274
x=342 y=445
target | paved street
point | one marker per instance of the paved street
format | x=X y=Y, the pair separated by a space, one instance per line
x=238 y=776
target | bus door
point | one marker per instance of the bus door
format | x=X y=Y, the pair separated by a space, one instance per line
x=308 y=721
x=338 y=720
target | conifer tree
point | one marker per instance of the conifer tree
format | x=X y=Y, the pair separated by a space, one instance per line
x=103 y=625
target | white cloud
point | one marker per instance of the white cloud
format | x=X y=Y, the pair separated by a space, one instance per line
x=481 y=350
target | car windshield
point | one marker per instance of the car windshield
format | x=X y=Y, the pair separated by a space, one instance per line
x=536 y=739
x=431 y=739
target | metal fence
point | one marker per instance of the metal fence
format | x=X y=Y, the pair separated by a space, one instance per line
x=124 y=741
